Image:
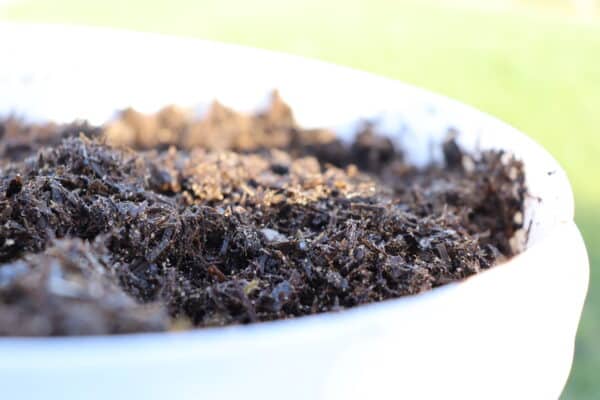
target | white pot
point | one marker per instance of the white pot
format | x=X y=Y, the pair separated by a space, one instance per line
x=507 y=333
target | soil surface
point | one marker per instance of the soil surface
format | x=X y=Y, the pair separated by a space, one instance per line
x=167 y=222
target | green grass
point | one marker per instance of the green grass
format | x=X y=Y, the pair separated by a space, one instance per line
x=539 y=73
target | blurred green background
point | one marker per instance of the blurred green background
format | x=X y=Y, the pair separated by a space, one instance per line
x=534 y=64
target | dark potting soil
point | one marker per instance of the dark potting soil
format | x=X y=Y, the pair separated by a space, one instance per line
x=161 y=222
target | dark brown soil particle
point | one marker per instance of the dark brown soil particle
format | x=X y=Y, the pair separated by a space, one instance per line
x=153 y=220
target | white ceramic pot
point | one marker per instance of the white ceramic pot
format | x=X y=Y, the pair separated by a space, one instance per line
x=507 y=333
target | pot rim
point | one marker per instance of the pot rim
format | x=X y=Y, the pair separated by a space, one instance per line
x=18 y=352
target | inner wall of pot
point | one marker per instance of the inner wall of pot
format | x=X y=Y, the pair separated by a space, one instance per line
x=92 y=73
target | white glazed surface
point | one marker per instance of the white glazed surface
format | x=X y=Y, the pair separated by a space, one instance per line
x=506 y=333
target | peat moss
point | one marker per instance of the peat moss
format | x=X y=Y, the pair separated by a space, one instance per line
x=156 y=219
